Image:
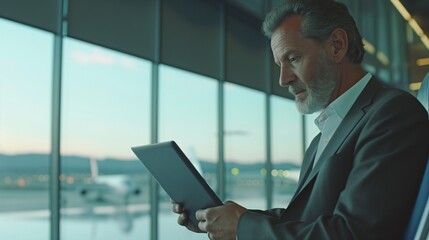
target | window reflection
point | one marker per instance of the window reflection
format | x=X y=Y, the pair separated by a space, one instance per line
x=188 y=115
x=105 y=111
x=286 y=149
x=25 y=104
x=245 y=146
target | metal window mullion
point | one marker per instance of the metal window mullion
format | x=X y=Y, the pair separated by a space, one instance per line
x=55 y=164
x=55 y=141
x=153 y=185
x=221 y=186
x=269 y=164
x=154 y=188
x=268 y=90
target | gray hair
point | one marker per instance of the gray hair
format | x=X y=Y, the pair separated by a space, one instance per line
x=320 y=18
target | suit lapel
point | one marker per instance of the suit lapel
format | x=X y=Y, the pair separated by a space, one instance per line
x=307 y=163
x=349 y=122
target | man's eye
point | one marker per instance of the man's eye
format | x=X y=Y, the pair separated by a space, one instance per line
x=293 y=59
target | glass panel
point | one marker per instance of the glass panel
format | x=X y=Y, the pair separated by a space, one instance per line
x=311 y=129
x=188 y=115
x=106 y=99
x=245 y=146
x=286 y=149
x=25 y=117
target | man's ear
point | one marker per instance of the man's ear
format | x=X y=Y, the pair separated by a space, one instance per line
x=339 y=44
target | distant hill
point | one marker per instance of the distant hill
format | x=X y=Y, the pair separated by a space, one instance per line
x=39 y=164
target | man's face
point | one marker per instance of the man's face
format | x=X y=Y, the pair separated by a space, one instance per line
x=305 y=66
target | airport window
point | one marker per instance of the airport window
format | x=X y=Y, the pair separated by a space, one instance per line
x=187 y=115
x=245 y=146
x=105 y=111
x=25 y=120
x=106 y=108
x=311 y=129
x=286 y=149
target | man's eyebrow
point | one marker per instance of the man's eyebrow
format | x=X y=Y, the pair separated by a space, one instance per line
x=282 y=57
x=285 y=55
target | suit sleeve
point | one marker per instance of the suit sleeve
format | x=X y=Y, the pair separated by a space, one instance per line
x=389 y=156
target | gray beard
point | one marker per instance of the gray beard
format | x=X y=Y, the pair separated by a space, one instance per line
x=318 y=97
x=319 y=90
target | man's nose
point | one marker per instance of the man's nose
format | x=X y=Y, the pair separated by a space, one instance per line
x=287 y=77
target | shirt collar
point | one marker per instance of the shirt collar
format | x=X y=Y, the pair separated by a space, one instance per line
x=343 y=103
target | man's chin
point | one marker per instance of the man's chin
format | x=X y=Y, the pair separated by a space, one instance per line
x=302 y=107
x=305 y=108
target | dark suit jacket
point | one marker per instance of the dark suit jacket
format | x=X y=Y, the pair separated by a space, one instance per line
x=365 y=182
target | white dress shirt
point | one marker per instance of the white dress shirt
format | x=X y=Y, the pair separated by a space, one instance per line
x=331 y=117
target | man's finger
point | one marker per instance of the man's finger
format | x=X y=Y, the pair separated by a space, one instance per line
x=177 y=208
x=202 y=225
x=183 y=219
x=200 y=215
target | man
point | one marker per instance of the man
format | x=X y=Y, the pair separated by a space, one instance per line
x=361 y=174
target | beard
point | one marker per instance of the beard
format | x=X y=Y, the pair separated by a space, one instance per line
x=318 y=90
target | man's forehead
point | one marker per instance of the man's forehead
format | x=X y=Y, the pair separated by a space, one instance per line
x=290 y=27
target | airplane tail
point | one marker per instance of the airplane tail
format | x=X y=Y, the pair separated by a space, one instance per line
x=93 y=167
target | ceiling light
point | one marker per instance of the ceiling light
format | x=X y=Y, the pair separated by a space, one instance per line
x=401 y=9
x=368 y=46
x=382 y=58
x=416 y=27
x=415 y=86
x=422 y=62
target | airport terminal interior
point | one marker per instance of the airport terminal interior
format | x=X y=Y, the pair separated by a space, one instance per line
x=83 y=81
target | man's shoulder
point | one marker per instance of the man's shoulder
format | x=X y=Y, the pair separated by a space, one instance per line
x=395 y=96
x=393 y=101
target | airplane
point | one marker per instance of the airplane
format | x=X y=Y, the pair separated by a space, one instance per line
x=108 y=188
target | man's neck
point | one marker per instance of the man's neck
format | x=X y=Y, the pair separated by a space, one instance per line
x=348 y=75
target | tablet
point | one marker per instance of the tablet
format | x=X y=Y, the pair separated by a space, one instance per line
x=177 y=176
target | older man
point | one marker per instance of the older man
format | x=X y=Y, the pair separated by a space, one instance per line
x=360 y=175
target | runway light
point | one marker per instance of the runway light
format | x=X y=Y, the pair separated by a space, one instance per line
x=274 y=172
x=70 y=180
x=285 y=173
x=263 y=171
x=235 y=171
x=22 y=182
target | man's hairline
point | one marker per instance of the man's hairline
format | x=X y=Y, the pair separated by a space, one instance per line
x=301 y=28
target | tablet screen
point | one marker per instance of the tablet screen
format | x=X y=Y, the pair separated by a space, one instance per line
x=177 y=176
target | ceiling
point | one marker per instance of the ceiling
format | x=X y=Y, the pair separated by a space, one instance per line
x=419 y=9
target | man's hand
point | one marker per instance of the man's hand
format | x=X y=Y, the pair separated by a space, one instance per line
x=220 y=222
x=183 y=219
